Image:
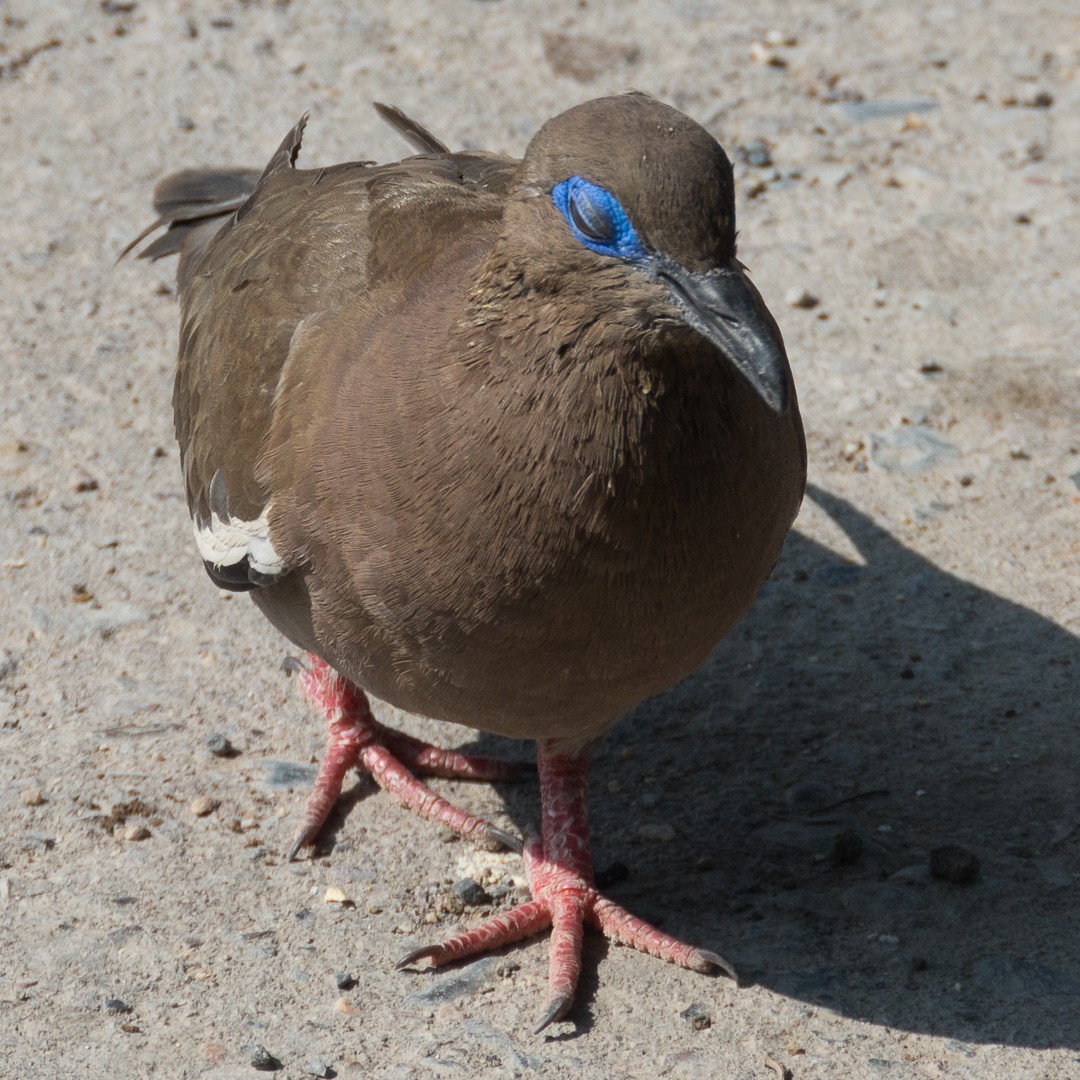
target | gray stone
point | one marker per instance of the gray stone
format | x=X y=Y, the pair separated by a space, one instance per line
x=910 y=450
x=839 y=574
x=466 y=981
x=878 y=901
x=1018 y=979
x=811 y=984
x=861 y=111
x=470 y=892
x=108 y=618
x=289 y=774
x=219 y=745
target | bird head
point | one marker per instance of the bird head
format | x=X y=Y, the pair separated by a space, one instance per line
x=630 y=182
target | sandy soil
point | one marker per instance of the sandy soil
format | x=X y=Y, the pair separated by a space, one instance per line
x=906 y=682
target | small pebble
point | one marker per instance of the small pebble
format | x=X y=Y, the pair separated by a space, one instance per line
x=445 y=905
x=203 y=805
x=343 y=980
x=955 y=864
x=756 y=154
x=847 y=848
x=611 y=875
x=263 y=1060
x=801 y=298
x=9 y=663
x=33 y=797
x=762 y=54
x=808 y=796
x=318 y=1067
x=334 y=895
x=471 y=893
x=116 y=1006
x=136 y=832
x=697 y=1016
x=660 y=831
x=219 y=746
x=781 y=37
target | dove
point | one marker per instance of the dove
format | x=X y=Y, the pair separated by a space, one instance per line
x=507 y=443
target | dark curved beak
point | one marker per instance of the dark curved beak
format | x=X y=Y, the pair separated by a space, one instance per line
x=724 y=307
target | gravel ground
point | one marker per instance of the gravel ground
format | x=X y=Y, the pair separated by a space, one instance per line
x=868 y=798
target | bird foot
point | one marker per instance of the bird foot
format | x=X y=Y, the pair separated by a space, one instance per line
x=355 y=739
x=565 y=900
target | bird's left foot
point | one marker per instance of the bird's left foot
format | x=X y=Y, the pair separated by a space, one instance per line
x=565 y=898
x=355 y=739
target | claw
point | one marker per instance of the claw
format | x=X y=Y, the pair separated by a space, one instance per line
x=711 y=960
x=293 y=665
x=507 y=840
x=304 y=836
x=556 y=1009
x=425 y=952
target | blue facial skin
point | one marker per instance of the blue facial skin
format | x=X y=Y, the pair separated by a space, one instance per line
x=719 y=303
x=597 y=220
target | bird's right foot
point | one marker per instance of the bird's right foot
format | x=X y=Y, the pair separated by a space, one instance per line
x=355 y=739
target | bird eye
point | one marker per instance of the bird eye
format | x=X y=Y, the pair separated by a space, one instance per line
x=597 y=219
x=591 y=219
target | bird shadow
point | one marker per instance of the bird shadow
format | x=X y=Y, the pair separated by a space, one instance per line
x=870 y=711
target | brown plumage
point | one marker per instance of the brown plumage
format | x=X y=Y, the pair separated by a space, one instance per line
x=506 y=443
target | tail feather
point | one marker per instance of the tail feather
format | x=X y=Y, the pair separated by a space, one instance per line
x=199 y=201
x=189 y=199
x=414 y=133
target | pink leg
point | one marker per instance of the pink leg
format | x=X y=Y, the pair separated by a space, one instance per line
x=355 y=739
x=560 y=877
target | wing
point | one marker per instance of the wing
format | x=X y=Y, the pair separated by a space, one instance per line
x=258 y=278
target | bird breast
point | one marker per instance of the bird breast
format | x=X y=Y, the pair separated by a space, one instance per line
x=579 y=516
